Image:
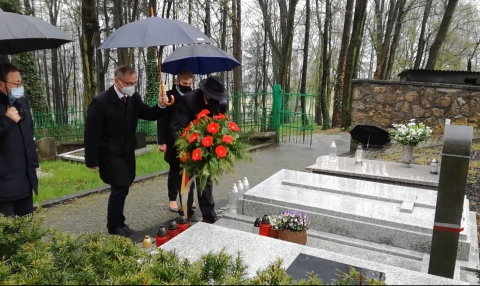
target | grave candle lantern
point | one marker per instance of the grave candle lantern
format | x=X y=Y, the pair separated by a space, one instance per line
x=264 y=226
x=434 y=166
x=359 y=156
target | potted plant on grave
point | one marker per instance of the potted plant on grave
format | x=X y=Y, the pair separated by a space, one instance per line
x=294 y=227
x=275 y=225
x=409 y=135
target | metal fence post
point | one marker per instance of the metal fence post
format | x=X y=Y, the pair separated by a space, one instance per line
x=277 y=101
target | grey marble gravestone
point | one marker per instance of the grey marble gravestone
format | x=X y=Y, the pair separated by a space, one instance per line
x=46 y=148
x=450 y=199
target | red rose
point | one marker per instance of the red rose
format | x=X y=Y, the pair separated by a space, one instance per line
x=197 y=154
x=233 y=126
x=227 y=139
x=193 y=138
x=219 y=117
x=207 y=141
x=212 y=128
x=203 y=113
x=221 y=151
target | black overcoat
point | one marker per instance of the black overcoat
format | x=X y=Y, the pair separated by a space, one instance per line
x=18 y=155
x=110 y=140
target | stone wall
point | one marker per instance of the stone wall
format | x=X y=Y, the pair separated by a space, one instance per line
x=385 y=102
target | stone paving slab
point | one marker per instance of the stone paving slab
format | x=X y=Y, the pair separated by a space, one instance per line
x=147 y=203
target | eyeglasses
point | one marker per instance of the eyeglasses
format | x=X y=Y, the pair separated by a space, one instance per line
x=16 y=84
x=128 y=83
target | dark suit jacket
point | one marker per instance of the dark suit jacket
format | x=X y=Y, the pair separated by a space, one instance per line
x=110 y=135
x=186 y=111
x=18 y=155
x=164 y=127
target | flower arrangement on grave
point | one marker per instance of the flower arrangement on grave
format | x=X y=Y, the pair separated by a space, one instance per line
x=276 y=224
x=209 y=147
x=294 y=226
x=409 y=135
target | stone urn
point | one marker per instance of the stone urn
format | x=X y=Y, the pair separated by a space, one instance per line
x=273 y=232
x=298 y=237
x=407 y=156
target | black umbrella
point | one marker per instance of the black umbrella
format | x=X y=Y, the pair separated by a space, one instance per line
x=20 y=33
x=199 y=59
x=370 y=135
x=152 y=32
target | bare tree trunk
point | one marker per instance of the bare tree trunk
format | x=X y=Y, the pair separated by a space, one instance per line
x=102 y=64
x=382 y=58
x=442 y=34
x=337 y=102
x=378 y=35
x=223 y=36
x=352 y=56
x=421 y=39
x=387 y=71
x=287 y=43
x=87 y=47
x=190 y=11
x=303 y=84
x=53 y=11
x=207 y=24
x=326 y=67
x=118 y=17
x=237 y=53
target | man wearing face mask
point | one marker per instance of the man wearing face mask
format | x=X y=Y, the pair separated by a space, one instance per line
x=18 y=155
x=213 y=96
x=166 y=144
x=110 y=140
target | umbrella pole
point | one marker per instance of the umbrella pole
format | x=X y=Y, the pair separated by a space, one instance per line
x=162 y=86
x=368 y=142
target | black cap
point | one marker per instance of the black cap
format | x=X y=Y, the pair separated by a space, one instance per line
x=172 y=225
x=162 y=231
x=265 y=219
x=182 y=220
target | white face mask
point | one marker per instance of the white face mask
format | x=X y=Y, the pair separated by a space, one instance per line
x=128 y=90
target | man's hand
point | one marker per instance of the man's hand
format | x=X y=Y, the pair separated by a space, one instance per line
x=162 y=148
x=95 y=168
x=12 y=113
x=162 y=99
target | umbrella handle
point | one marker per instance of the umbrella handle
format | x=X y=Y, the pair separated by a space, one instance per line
x=162 y=87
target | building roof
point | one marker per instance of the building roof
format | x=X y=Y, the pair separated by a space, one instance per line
x=442 y=71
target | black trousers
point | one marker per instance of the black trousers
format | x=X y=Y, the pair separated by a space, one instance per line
x=116 y=204
x=174 y=180
x=205 y=202
x=20 y=207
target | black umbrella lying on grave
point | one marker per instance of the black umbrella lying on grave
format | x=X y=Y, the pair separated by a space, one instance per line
x=370 y=134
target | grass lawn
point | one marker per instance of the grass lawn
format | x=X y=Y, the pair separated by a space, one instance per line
x=423 y=156
x=68 y=178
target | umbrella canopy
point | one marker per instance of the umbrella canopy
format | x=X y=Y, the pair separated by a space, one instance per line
x=199 y=59
x=370 y=135
x=152 y=32
x=20 y=33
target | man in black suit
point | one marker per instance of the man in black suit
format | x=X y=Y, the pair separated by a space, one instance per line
x=166 y=144
x=110 y=140
x=18 y=155
x=213 y=96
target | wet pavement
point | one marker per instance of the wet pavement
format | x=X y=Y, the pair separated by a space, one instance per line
x=147 y=203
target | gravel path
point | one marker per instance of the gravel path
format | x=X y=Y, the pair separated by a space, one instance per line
x=147 y=203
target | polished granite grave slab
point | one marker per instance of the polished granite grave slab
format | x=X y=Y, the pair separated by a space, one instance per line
x=388 y=214
x=259 y=251
x=381 y=171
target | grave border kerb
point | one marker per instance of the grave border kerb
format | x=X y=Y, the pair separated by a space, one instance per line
x=102 y=189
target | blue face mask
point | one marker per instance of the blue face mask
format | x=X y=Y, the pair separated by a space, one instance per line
x=16 y=93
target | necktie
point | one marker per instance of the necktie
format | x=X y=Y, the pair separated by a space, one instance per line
x=124 y=99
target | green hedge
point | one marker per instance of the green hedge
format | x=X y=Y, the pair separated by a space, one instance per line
x=33 y=255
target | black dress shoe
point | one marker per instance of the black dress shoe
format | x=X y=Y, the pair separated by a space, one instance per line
x=128 y=230
x=117 y=231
